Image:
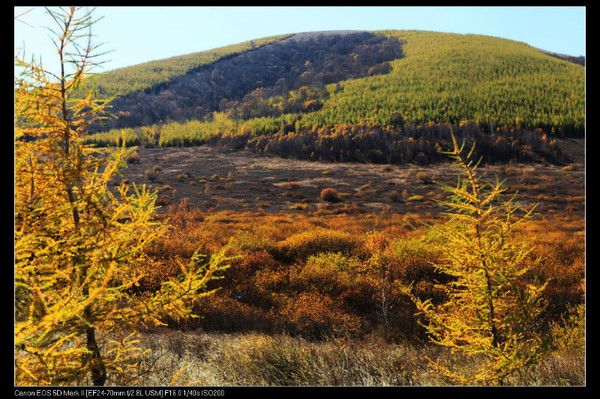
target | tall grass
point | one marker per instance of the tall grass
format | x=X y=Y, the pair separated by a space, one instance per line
x=278 y=360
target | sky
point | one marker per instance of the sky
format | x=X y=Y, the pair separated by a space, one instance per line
x=139 y=34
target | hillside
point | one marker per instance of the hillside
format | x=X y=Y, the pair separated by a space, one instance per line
x=243 y=82
x=307 y=89
x=140 y=77
x=450 y=77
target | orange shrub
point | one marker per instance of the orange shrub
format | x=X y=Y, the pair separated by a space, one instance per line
x=155 y=273
x=133 y=158
x=177 y=245
x=182 y=214
x=424 y=177
x=271 y=280
x=163 y=200
x=249 y=241
x=222 y=313
x=318 y=316
x=303 y=272
x=263 y=288
x=259 y=261
x=561 y=262
x=429 y=289
x=242 y=269
x=362 y=296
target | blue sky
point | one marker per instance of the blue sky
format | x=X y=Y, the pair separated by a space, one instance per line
x=139 y=34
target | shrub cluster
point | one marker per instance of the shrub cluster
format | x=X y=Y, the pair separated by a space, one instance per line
x=317 y=276
x=419 y=144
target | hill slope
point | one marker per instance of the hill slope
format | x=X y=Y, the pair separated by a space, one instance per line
x=140 y=77
x=450 y=77
x=250 y=77
x=305 y=90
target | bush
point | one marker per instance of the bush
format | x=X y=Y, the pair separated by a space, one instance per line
x=249 y=241
x=413 y=260
x=182 y=214
x=264 y=286
x=284 y=256
x=222 y=313
x=152 y=174
x=242 y=270
x=415 y=198
x=302 y=245
x=184 y=176
x=163 y=200
x=424 y=177
x=156 y=273
x=298 y=206
x=330 y=195
x=133 y=158
x=317 y=316
x=395 y=196
x=562 y=263
x=568 y=335
x=565 y=363
x=328 y=273
x=335 y=261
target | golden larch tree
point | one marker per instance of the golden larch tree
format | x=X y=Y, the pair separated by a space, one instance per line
x=490 y=311
x=80 y=240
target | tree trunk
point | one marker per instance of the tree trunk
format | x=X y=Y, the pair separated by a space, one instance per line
x=96 y=363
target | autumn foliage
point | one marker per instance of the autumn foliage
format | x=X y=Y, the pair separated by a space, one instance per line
x=490 y=311
x=80 y=246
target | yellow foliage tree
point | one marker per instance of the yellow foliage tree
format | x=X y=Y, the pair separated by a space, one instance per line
x=490 y=309
x=79 y=245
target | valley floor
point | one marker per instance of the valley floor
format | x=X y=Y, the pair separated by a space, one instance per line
x=216 y=180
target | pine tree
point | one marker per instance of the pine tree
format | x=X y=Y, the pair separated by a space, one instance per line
x=490 y=311
x=79 y=244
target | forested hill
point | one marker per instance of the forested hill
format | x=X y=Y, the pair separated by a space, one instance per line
x=451 y=77
x=140 y=77
x=243 y=82
x=392 y=80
